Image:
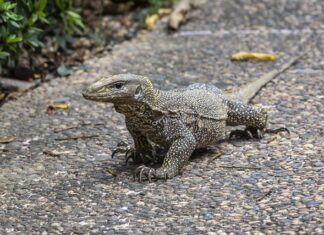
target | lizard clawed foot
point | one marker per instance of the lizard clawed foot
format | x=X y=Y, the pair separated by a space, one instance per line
x=275 y=131
x=248 y=133
x=123 y=147
x=130 y=152
x=149 y=173
x=144 y=170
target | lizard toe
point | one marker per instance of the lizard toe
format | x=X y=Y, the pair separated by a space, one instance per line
x=275 y=131
x=144 y=171
x=248 y=133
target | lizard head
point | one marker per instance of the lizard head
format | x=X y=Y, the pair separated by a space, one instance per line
x=120 y=89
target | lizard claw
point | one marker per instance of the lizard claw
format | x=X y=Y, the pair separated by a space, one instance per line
x=129 y=155
x=248 y=133
x=127 y=159
x=123 y=147
x=142 y=171
x=275 y=131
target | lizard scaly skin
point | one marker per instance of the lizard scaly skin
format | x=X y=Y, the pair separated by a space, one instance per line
x=167 y=126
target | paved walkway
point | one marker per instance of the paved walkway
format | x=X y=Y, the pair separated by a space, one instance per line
x=75 y=193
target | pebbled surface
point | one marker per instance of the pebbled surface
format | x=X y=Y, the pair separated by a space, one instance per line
x=280 y=190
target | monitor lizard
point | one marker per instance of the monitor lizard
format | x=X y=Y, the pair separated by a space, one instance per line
x=167 y=126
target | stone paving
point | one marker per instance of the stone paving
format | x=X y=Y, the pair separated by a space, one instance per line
x=277 y=187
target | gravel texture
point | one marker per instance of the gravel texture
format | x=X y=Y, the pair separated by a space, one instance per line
x=274 y=186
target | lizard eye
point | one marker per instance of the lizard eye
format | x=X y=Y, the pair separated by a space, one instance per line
x=118 y=85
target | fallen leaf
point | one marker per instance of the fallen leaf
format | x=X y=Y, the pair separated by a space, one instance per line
x=61 y=106
x=164 y=11
x=111 y=172
x=253 y=56
x=56 y=153
x=150 y=21
x=180 y=10
x=179 y=13
x=7 y=139
x=216 y=156
x=58 y=103
x=77 y=137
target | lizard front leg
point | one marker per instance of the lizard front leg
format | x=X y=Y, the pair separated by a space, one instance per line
x=141 y=151
x=177 y=155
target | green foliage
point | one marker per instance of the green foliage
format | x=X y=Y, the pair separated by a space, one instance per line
x=155 y=5
x=71 y=19
x=23 y=22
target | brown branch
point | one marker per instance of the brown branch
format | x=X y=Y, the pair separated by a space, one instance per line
x=216 y=156
x=241 y=167
x=265 y=195
x=77 y=137
x=56 y=130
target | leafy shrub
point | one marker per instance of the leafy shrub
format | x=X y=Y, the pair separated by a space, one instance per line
x=22 y=24
x=155 y=5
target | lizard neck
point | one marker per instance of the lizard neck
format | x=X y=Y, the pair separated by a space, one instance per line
x=149 y=94
x=144 y=103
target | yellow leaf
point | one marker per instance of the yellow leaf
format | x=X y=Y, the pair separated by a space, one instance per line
x=253 y=56
x=111 y=172
x=150 y=21
x=61 y=106
x=164 y=11
x=7 y=139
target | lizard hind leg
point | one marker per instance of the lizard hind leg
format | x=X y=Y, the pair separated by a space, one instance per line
x=254 y=118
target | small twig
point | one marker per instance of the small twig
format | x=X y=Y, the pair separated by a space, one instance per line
x=111 y=172
x=77 y=137
x=265 y=195
x=216 y=156
x=56 y=153
x=272 y=139
x=241 y=167
x=56 y=130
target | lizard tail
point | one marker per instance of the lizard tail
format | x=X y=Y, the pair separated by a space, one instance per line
x=247 y=92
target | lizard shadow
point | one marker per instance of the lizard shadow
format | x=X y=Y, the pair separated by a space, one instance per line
x=110 y=171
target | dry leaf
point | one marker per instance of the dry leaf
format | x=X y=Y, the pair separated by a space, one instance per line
x=253 y=56
x=56 y=153
x=59 y=103
x=61 y=106
x=111 y=172
x=150 y=21
x=164 y=11
x=180 y=10
x=179 y=13
x=7 y=139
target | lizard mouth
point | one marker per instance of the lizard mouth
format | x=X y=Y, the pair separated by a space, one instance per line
x=94 y=96
x=102 y=97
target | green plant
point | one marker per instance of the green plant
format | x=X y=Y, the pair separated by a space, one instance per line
x=15 y=30
x=155 y=5
x=22 y=25
x=71 y=19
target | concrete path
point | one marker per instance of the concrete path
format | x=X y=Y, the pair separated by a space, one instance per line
x=280 y=190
